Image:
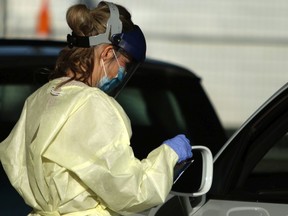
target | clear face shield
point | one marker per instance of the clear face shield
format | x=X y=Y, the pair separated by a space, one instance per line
x=131 y=44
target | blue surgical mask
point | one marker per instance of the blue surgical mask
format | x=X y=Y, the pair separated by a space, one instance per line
x=107 y=84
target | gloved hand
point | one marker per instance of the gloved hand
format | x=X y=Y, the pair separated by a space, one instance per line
x=181 y=145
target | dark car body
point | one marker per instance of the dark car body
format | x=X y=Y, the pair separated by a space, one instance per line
x=161 y=99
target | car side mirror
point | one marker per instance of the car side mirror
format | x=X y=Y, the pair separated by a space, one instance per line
x=197 y=179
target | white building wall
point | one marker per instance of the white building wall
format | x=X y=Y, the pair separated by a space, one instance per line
x=239 y=48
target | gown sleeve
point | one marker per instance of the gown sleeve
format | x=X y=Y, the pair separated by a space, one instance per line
x=94 y=144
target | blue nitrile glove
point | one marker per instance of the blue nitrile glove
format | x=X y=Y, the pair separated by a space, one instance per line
x=181 y=145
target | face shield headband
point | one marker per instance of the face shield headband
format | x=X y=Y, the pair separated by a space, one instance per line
x=131 y=43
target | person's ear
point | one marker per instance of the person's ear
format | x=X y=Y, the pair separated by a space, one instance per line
x=107 y=53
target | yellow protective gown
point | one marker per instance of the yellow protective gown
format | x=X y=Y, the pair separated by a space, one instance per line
x=69 y=154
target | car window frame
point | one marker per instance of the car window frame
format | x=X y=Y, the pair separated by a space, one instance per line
x=246 y=148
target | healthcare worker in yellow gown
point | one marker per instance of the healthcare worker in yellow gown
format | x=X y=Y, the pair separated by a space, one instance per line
x=69 y=153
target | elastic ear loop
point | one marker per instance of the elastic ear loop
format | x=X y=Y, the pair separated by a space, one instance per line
x=125 y=71
x=103 y=66
x=116 y=58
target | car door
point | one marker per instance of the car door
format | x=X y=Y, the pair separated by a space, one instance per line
x=251 y=171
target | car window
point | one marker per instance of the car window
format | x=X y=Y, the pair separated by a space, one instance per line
x=133 y=103
x=267 y=179
x=12 y=98
x=155 y=116
x=275 y=160
x=139 y=108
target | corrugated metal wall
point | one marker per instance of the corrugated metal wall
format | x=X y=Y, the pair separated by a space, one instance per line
x=239 y=48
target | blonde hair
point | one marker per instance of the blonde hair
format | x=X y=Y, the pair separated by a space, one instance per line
x=85 y=22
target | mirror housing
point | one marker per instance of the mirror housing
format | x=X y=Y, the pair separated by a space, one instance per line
x=197 y=179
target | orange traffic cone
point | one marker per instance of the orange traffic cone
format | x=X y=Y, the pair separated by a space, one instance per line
x=43 y=22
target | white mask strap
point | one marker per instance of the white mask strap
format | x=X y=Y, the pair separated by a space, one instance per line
x=116 y=58
x=103 y=66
